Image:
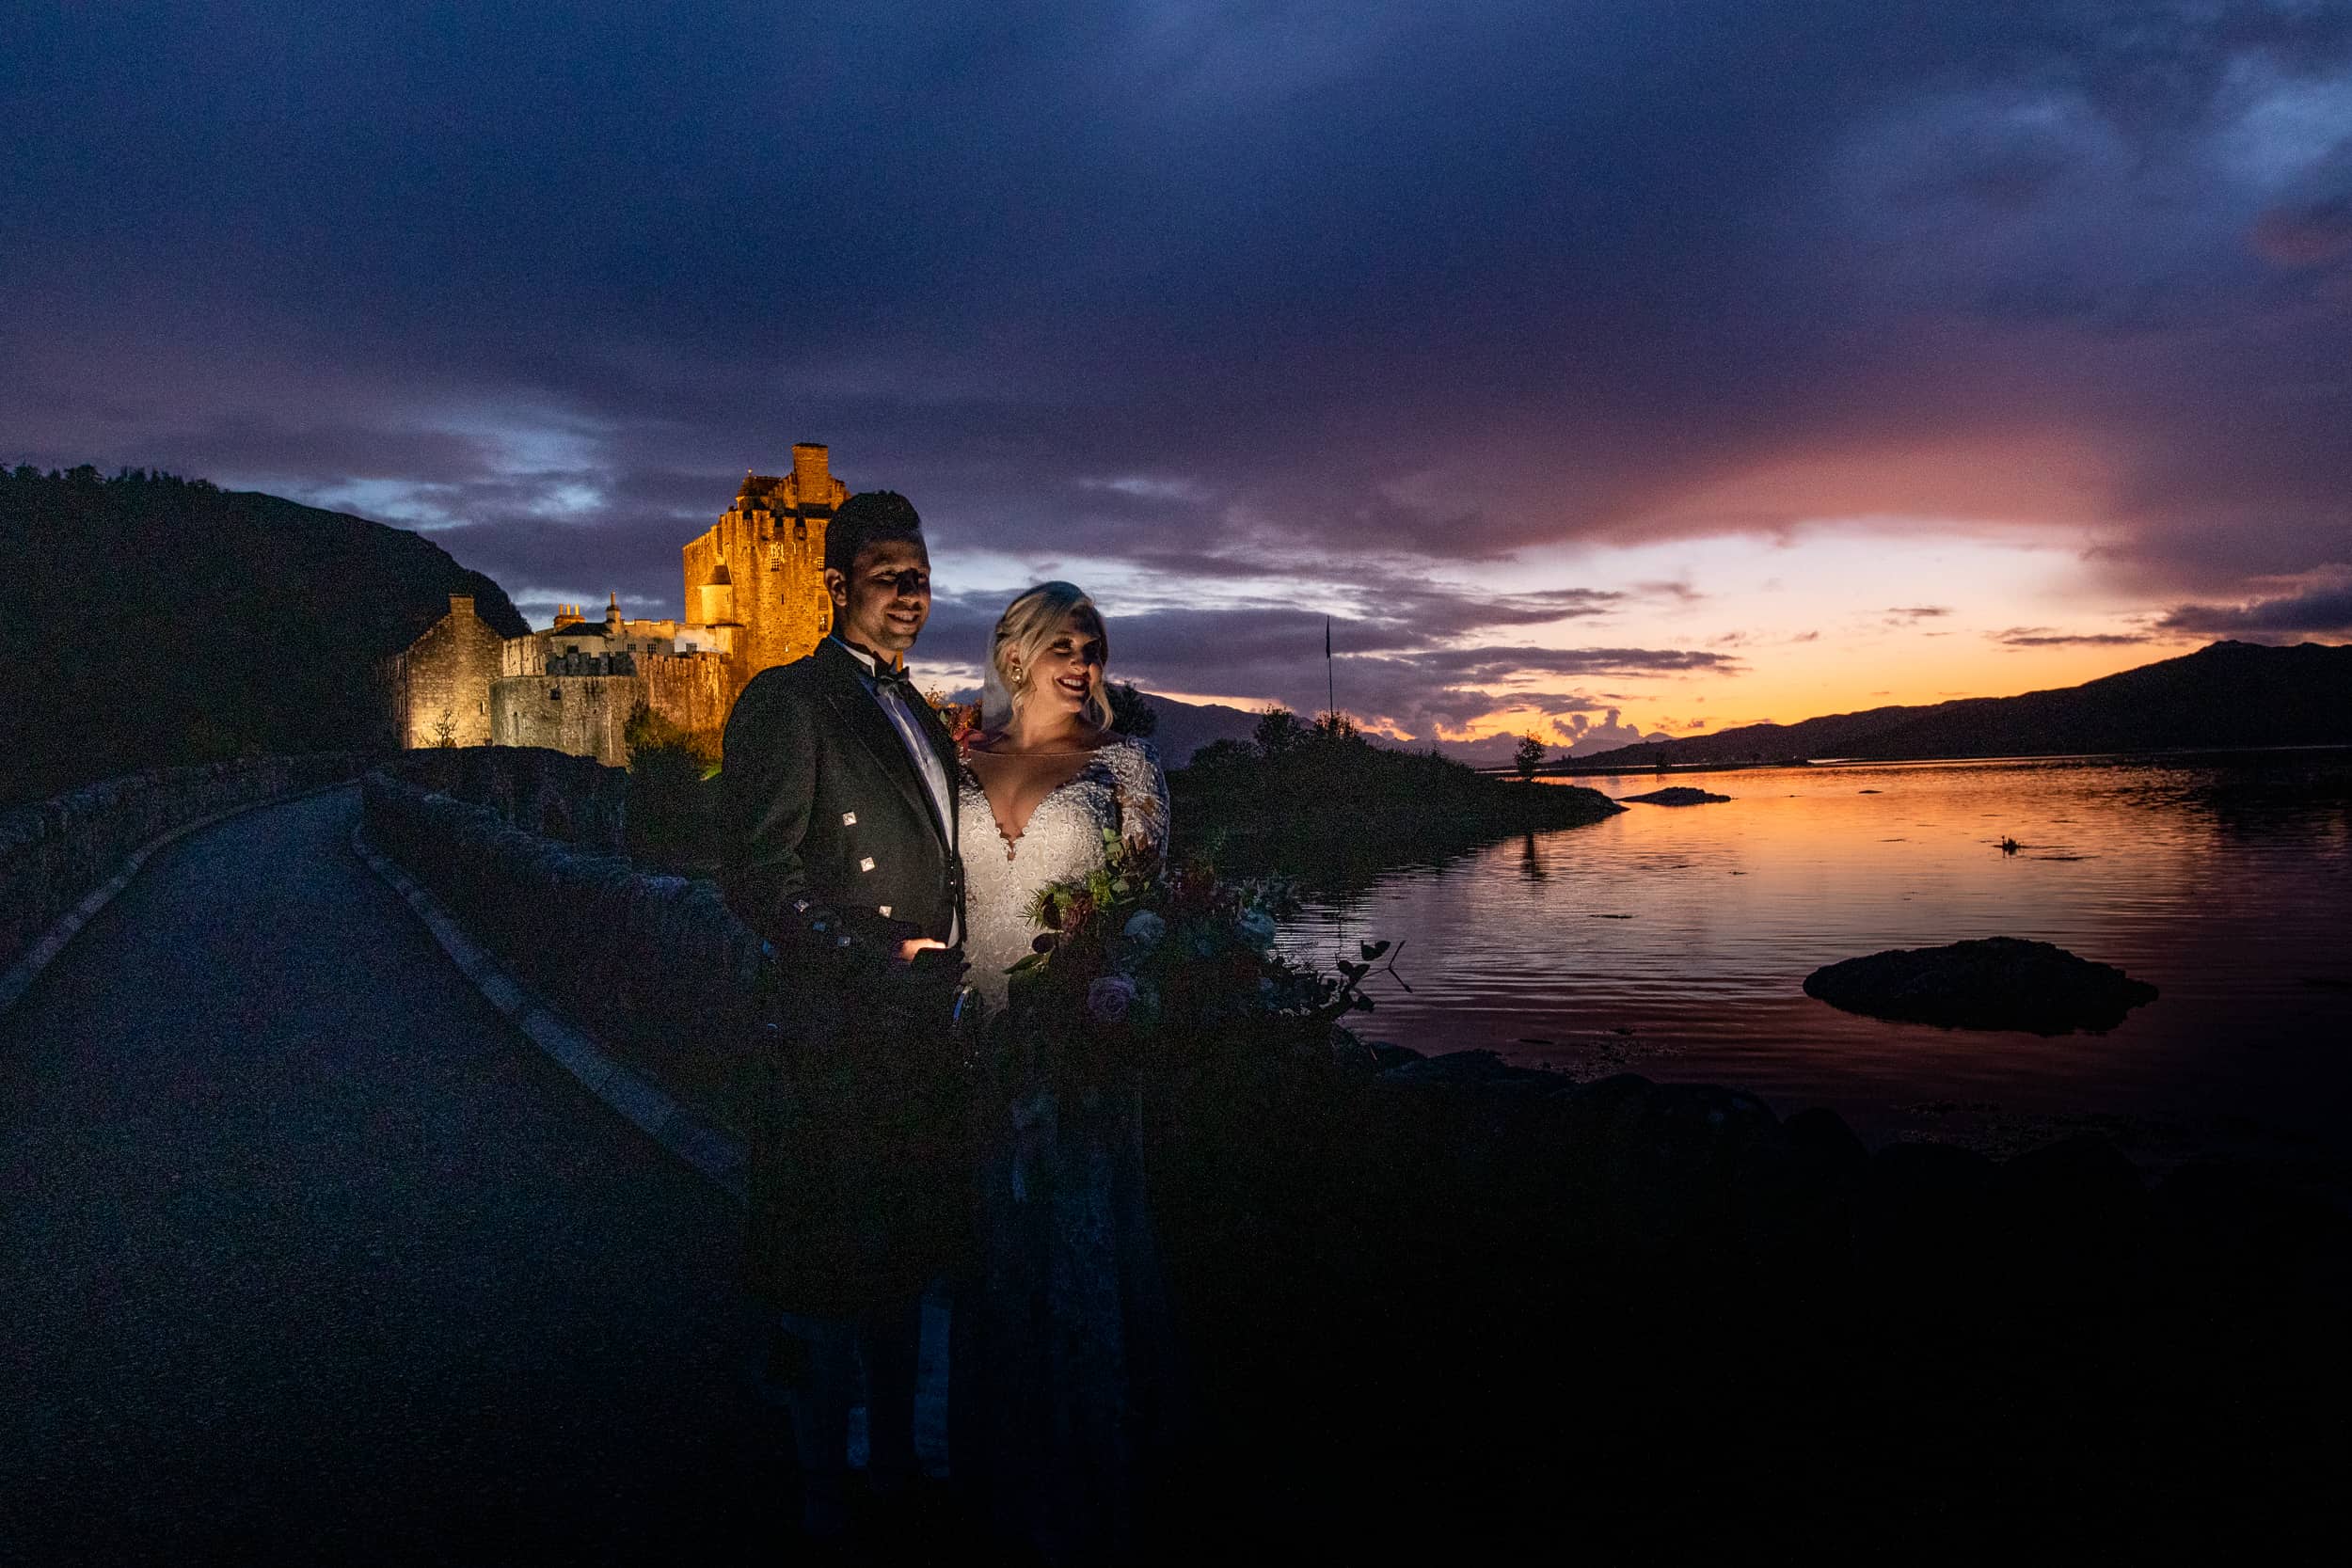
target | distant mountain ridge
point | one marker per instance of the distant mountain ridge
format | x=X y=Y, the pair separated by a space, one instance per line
x=2226 y=694
x=1186 y=727
x=147 y=619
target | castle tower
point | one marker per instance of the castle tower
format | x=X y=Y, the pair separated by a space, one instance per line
x=758 y=575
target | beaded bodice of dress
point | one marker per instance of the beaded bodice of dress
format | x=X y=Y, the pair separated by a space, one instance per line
x=1122 y=786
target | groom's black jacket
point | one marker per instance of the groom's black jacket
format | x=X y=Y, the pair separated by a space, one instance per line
x=858 y=1180
x=824 y=821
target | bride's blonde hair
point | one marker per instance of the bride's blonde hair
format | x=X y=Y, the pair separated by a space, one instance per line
x=1028 y=624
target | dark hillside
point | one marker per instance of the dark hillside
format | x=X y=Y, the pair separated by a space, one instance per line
x=147 y=619
x=1186 y=728
x=2224 y=695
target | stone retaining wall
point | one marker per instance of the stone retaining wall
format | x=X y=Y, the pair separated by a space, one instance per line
x=575 y=799
x=656 y=967
x=53 y=852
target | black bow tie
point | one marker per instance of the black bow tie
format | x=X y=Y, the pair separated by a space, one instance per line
x=887 y=679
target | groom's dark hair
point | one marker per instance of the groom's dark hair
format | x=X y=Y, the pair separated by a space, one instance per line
x=870 y=517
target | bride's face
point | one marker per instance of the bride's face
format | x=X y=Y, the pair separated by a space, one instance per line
x=1068 y=669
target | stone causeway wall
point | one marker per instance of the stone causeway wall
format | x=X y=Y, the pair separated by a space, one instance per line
x=656 y=967
x=55 y=853
x=575 y=799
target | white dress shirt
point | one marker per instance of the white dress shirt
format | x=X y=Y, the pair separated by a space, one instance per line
x=919 y=751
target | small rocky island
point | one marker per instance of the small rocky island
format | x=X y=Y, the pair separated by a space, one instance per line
x=1677 y=795
x=1996 y=983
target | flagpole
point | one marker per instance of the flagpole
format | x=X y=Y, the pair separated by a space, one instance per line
x=1330 y=679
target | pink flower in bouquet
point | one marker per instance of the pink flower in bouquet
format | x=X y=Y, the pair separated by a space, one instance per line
x=1109 y=998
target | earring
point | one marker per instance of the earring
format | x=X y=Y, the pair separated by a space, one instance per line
x=1018 y=677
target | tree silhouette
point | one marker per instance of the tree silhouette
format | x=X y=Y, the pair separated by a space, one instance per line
x=1131 y=712
x=1336 y=727
x=1279 y=730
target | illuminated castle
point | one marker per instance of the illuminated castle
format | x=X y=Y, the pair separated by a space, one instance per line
x=759 y=577
x=754 y=597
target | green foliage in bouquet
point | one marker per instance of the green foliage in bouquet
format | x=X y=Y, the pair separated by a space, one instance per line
x=1141 y=951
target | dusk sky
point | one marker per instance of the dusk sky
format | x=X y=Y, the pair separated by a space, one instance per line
x=1608 y=368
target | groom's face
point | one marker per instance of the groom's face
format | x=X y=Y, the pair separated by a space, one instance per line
x=881 y=602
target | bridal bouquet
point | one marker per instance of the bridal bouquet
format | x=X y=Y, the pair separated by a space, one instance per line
x=1142 y=949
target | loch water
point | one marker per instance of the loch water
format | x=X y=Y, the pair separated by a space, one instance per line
x=1674 y=941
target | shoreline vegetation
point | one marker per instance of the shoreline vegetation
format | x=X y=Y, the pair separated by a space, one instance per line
x=1316 y=797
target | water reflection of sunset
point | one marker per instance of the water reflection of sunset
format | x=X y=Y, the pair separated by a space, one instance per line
x=1675 y=941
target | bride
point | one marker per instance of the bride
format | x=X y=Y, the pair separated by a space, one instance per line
x=1049 y=771
x=1071 y=1327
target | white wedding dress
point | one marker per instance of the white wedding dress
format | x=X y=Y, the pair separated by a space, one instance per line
x=1067 y=1376
x=1122 y=787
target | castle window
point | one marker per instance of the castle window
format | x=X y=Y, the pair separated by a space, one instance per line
x=555 y=693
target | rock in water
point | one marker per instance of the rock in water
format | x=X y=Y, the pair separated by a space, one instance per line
x=1679 y=795
x=1999 y=982
x=1473 y=1069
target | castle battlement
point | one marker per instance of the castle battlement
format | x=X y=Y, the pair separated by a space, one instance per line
x=758 y=574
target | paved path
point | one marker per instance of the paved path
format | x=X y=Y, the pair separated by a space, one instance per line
x=305 y=1255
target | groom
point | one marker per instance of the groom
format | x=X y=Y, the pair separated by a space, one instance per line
x=838 y=846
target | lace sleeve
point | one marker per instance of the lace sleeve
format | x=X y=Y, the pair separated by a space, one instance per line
x=1142 y=791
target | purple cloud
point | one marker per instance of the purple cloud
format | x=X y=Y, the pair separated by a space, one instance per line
x=1214 y=292
x=2043 y=637
x=2318 y=610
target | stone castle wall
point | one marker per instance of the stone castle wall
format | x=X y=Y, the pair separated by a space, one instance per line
x=444 y=678
x=771 y=569
x=583 y=715
x=693 y=692
x=586 y=714
x=761 y=569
